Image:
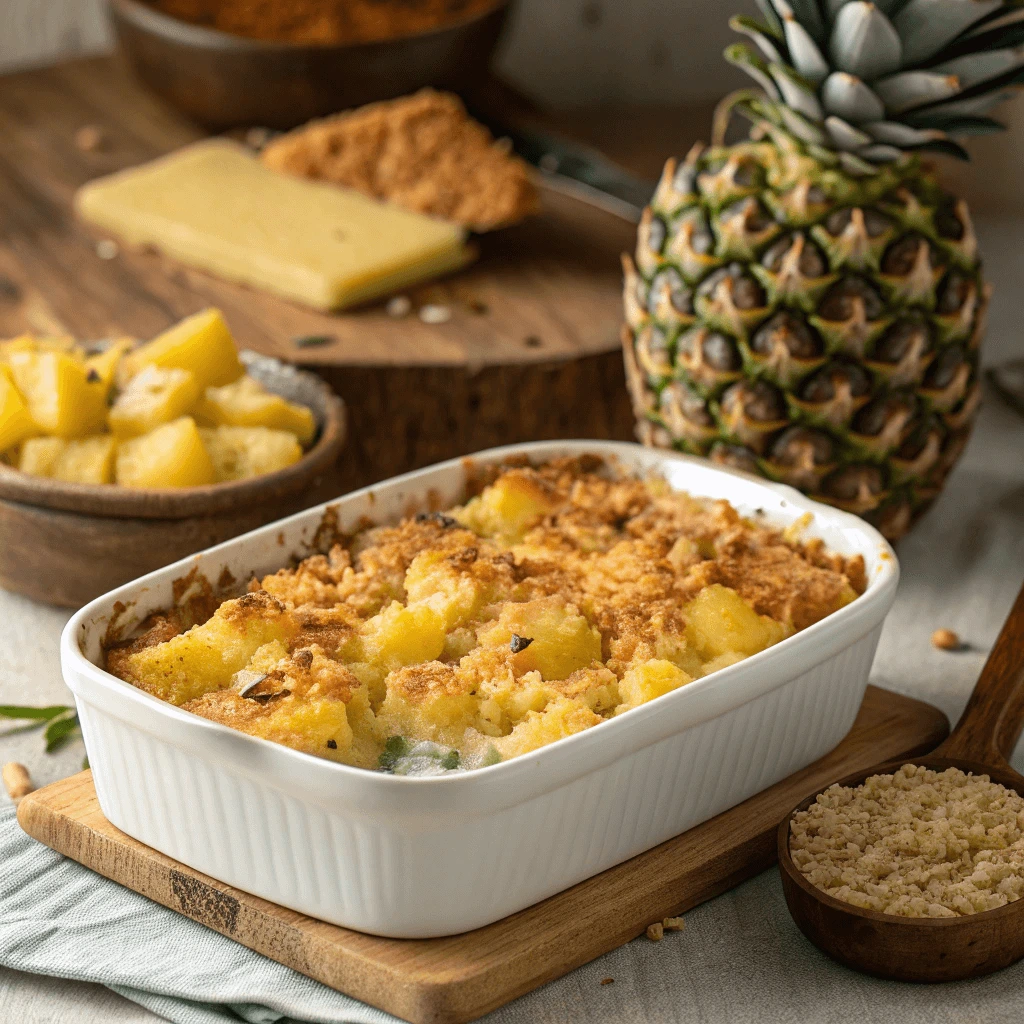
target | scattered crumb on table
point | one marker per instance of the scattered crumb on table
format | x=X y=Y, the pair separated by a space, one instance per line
x=17 y=780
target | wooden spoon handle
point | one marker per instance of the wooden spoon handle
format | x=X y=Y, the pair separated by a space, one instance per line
x=992 y=722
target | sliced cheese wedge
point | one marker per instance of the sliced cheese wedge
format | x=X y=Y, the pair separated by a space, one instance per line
x=214 y=206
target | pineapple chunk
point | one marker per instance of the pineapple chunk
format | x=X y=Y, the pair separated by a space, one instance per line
x=39 y=455
x=61 y=399
x=15 y=422
x=561 y=718
x=428 y=701
x=509 y=507
x=561 y=640
x=246 y=403
x=242 y=452
x=433 y=579
x=720 y=622
x=642 y=683
x=206 y=657
x=153 y=396
x=170 y=456
x=102 y=368
x=401 y=635
x=87 y=460
x=201 y=344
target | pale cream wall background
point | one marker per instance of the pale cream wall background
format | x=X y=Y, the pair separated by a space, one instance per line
x=569 y=54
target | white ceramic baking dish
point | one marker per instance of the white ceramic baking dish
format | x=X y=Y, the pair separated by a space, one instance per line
x=416 y=857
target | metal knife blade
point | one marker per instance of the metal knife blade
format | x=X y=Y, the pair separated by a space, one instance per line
x=580 y=170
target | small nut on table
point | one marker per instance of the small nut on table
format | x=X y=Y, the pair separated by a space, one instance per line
x=945 y=640
x=89 y=138
x=17 y=780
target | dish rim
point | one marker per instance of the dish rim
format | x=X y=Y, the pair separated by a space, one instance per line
x=841 y=624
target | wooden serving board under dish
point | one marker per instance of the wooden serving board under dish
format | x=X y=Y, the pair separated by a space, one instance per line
x=531 y=350
x=460 y=978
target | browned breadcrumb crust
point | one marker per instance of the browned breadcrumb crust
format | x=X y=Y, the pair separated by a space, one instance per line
x=422 y=152
x=628 y=554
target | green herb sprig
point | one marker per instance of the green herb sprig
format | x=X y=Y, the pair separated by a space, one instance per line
x=61 y=722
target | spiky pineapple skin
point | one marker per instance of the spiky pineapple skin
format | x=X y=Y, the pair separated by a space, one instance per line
x=818 y=329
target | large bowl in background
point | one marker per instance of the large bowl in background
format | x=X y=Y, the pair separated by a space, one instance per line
x=226 y=81
x=64 y=543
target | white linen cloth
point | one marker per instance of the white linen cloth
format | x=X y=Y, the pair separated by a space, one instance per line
x=61 y=919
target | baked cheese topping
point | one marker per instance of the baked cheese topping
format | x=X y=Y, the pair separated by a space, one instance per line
x=556 y=598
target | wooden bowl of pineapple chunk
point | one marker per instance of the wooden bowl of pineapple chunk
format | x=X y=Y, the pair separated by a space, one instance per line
x=118 y=459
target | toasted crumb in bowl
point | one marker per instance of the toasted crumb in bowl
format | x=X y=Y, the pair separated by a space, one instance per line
x=945 y=640
x=918 y=843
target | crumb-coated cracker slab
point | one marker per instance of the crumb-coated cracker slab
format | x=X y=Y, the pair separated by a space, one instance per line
x=462 y=977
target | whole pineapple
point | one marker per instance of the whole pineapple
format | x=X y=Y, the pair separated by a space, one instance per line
x=808 y=304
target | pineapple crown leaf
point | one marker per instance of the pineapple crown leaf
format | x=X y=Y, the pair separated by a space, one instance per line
x=874 y=81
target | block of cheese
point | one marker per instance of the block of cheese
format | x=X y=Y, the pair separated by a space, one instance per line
x=214 y=206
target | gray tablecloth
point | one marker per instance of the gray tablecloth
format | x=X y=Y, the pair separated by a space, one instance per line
x=740 y=958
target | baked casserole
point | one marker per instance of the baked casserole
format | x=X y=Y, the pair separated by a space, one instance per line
x=558 y=596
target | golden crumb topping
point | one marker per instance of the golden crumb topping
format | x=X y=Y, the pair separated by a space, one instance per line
x=556 y=597
x=422 y=152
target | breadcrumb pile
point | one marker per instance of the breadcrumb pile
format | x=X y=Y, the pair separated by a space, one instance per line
x=918 y=843
x=422 y=152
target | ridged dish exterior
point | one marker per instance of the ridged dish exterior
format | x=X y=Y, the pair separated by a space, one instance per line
x=422 y=857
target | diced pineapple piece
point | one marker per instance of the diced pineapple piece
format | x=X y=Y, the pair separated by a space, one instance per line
x=560 y=640
x=509 y=701
x=102 y=368
x=170 y=456
x=87 y=460
x=434 y=579
x=428 y=701
x=206 y=657
x=201 y=344
x=401 y=635
x=651 y=679
x=509 y=507
x=61 y=400
x=242 y=452
x=719 y=621
x=153 y=396
x=309 y=725
x=39 y=455
x=246 y=403
x=15 y=422
x=561 y=718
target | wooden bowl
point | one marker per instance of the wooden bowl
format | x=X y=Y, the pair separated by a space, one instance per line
x=945 y=948
x=64 y=543
x=226 y=81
